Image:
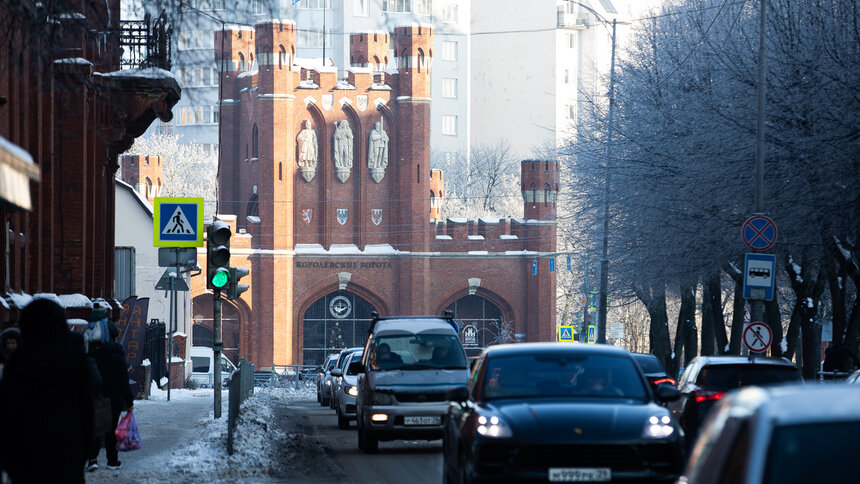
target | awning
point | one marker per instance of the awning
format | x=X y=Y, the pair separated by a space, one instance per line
x=16 y=171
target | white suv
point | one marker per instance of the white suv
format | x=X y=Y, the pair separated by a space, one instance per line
x=408 y=366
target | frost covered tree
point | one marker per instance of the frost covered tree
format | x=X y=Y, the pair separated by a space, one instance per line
x=188 y=170
x=684 y=150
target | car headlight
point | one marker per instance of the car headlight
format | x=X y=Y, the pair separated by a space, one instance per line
x=352 y=390
x=328 y=382
x=493 y=427
x=379 y=398
x=658 y=427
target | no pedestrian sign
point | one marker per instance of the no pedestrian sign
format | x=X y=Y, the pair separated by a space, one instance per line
x=178 y=222
x=757 y=337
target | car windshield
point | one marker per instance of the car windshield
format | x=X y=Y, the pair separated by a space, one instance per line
x=649 y=364
x=418 y=352
x=562 y=375
x=356 y=357
x=329 y=364
x=735 y=376
x=819 y=452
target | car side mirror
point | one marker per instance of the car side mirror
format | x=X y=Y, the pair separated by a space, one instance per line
x=355 y=368
x=666 y=392
x=459 y=394
x=336 y=372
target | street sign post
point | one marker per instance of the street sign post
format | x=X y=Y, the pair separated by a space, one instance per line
x=592 y=334
x=759 y=232
x=757 y=337
x=178 y=222
x=616 y=330
x=566 y=334
x=759 y=277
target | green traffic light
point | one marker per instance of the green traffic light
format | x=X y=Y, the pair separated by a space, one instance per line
x=221 y=278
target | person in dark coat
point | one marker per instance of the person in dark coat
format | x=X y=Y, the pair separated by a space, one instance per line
x=110 y=359
x=10 y=340
x=45 y=401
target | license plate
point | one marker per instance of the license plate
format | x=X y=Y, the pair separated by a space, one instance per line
x=580 y=474
x=422 y=420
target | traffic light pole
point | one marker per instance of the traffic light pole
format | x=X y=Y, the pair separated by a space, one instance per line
x=217 y=353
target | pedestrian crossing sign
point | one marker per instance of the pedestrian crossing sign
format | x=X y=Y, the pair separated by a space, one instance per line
x=566 y=334
x=178 y=222
x=592 y=334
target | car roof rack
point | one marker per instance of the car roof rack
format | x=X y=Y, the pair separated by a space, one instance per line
x=448 y=316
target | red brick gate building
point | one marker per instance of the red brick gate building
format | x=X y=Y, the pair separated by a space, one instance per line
x=336 y=218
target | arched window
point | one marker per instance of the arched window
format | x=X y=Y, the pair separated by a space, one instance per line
x=253 y=206
x=336 y=321
x=419 y=172
x=481 y=323
x=549 y=194
x=280 y=171
x=282 y=56
x=254 y=142
x=434 y=203
x=148 y=193
x=241 y=62
x=421 y=64
x=158 y=187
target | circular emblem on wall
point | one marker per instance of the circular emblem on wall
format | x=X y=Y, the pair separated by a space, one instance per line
x=340 y=307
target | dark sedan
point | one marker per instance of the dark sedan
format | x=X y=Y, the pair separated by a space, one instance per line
x=562 y=413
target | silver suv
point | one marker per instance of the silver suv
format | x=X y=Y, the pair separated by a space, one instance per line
x=408 y=366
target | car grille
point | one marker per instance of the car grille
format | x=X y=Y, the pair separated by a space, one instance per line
x=657 y=457
x=419 y=397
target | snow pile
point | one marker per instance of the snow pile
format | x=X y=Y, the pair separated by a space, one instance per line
x=255 y=446
x=288 y=394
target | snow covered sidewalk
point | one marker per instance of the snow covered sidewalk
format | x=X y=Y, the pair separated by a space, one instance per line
x=182 y=442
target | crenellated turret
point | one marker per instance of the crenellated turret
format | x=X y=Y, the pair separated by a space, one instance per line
x=539 y=182
x=276 y=49
x=413 y=46
x=370 y=49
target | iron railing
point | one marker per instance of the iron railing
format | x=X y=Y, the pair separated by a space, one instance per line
x=146 y=43
x=241 y=387
x=154 y=350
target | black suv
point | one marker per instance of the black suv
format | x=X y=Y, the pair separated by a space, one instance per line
x=708 y=378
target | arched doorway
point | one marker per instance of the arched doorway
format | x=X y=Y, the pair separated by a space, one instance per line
x=336 y=321
x=481 y=324
x=203 y=329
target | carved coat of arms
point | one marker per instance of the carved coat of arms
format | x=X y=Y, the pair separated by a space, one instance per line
x=342 y=215
x=376 y=216
x=307 y=215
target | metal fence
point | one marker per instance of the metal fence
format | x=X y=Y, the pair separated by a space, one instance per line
x=832 y=375
x=287 y=376
x=241 y=387
x=146 y=43
x=154 y=350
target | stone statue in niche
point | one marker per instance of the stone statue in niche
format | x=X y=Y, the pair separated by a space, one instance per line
x=308 y=152
x=342 y=150
x=377 y=152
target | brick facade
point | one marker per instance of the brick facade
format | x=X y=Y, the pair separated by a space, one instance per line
x=306 y=236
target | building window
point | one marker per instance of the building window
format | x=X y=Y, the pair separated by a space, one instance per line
x=571 y=111
x=450 y=14
x=566 y=76
x=359 y=8
x=571 y=41
x=124 y=266
x=424 y=7
x=282 y=57
x=148 y=193
x=397 y=6
x=314 y=38
x=255 y=144
x=449 y=88
x=259 y=7
x=449 y=50
x=449 y=125
x=315 y=4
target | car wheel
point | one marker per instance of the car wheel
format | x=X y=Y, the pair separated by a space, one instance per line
x=319 y=395
x=342 y=422
x=367 y=443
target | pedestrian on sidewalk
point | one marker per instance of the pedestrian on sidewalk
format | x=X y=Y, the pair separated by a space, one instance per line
x=110 y=359
x=10 y=340
x=45 y=401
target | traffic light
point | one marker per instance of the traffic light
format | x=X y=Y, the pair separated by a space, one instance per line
x=218 y=255
x=234 y=289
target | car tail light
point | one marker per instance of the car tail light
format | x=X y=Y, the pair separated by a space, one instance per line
x=664 y=380
x=703 y=395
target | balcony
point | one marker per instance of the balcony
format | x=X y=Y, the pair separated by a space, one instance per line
x=570 y=21
x=146 y=43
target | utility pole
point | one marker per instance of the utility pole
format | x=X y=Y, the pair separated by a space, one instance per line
x=604 y=255
x=757 y=305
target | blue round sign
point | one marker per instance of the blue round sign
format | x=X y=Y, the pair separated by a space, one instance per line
x=759 y=232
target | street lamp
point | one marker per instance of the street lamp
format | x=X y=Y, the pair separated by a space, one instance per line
x=604 y=254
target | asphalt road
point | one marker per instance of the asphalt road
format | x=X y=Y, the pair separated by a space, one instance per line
x=325 y=453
